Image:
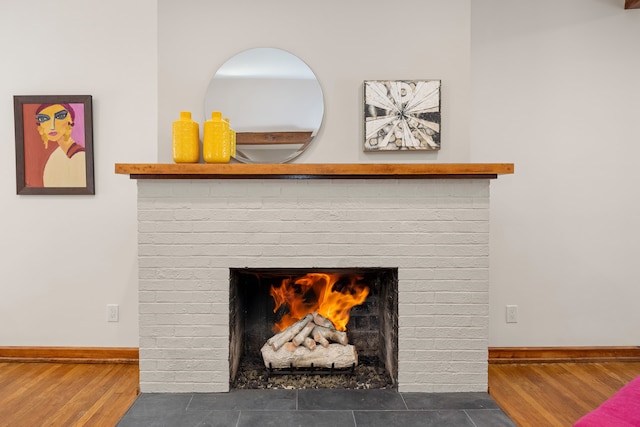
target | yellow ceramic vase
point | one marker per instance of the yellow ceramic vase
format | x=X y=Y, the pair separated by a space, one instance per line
x=186 y=145
x=215 y=142
x=232 y=139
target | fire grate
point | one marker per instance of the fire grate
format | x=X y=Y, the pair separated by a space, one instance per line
x=311 y=370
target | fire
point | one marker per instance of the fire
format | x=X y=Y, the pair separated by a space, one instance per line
x=318 y=292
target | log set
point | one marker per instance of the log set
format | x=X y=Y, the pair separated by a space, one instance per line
x=297 y=346
x=336 y=356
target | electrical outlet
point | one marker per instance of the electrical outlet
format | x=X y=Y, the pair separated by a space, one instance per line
x=113 y=312
x=512 y=314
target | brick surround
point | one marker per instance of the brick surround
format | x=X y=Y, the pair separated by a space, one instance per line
x=435 y=231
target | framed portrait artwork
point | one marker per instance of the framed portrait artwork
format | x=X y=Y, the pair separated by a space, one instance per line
x=54 y=144
x=402 y=115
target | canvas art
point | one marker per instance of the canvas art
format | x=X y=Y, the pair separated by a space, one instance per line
x=54 y=144
x=402 y=115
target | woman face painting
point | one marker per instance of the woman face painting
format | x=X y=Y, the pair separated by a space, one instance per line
x=54 y=123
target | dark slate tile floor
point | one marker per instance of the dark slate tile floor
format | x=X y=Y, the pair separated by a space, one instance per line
x=314 y=408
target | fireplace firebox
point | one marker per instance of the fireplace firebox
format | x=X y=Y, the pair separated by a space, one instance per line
x=255 y=315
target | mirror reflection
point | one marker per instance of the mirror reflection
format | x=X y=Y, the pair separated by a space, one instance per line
x=273 y=101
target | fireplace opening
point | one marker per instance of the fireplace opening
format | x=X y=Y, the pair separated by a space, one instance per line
x=313 y=328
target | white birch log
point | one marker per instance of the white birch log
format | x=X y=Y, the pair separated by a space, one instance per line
x=330 y=335
x=304 y=333
x=279 y=339
x=341 y=356
x=309 y=343
x=317 y=336
x=320 y=320
x=290 y=347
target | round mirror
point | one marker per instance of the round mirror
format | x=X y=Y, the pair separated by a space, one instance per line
x=272 y=100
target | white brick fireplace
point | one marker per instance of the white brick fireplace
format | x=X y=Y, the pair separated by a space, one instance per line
x=434 y=231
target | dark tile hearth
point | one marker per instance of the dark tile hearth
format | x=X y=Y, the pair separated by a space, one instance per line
x=311 y=408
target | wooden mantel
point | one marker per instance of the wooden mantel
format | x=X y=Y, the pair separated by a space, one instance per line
x=632 y=4
x=313 y=170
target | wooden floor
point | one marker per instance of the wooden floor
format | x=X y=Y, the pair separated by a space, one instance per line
x=53 y=394
x=65 y=394
x=556 y=394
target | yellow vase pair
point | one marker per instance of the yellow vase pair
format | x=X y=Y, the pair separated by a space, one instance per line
x=218 y=142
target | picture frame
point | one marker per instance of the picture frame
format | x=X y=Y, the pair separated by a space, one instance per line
x=54 y=144
x=402 y=115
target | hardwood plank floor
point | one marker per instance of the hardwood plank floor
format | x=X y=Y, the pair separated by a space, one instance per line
x=556 y=394
x=68 y=394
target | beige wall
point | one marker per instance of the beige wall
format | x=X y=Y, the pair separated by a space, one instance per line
x=344 y=43
x=555 y=90
x=65 y=257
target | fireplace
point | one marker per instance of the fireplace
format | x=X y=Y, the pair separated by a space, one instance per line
x=362 y=302
x=195 y=235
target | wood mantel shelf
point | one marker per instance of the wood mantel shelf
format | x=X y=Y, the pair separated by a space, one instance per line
x=632 y=4
x=313 y=170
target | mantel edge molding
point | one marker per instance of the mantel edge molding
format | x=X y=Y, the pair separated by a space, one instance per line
x=314 y=170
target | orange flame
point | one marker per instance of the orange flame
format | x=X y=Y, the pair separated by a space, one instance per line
x=318 y=292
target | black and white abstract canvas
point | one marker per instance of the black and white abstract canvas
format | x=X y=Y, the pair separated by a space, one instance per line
x=402 y=115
